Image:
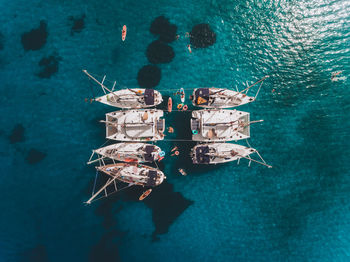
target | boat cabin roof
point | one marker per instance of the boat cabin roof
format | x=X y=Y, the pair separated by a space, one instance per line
x=202 y=156
x=202 y=93
x=152 y=178
x=148 y=153
x=149 y=96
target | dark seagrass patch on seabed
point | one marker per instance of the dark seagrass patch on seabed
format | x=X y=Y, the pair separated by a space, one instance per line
x=36 y=38
x=35 y=254
x=166 y=206
x=17 y=134
x=162 y=27
x=34 y=156
x=49 y=66
x=2 y=41
x=106 y=249
x=149 y=76
x=159 y=52
x=202 y=36
x=77 y=23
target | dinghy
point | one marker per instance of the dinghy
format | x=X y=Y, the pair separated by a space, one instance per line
x=145 y=194
x=124 y=33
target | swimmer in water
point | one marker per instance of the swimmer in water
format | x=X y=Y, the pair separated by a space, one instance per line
x=189 y=48
x=334 y=75
x=170 y=129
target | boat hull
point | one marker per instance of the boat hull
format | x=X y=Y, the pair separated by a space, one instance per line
x=134 y=174
x=130 y=152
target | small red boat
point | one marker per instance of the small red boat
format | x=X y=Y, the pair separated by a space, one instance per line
x=124 y=33
x=145 y=194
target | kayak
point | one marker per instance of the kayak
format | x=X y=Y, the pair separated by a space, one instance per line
x=170 y=104
x=182 y=95
x=145 y=194
x=124 y=32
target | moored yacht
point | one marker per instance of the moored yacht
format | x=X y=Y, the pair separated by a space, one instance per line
x=216 y=153
x=127 y=98
x=219 y=125
x=127 y=152
x=135 y=125
x=132 y=174
x=212 y=97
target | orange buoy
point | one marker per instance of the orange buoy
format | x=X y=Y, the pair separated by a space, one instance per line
x=124 y=33
x=179 y=106
x=170 y=105
x=145 y=194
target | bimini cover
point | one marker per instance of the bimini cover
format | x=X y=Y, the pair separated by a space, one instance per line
x=148 y=153
x=202 y=156
x=202 y=96
x=152 y=178
x=149 y=97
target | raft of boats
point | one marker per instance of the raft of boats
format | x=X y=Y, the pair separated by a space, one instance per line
x=138 y=123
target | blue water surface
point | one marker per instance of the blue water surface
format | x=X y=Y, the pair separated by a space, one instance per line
x=296 y=211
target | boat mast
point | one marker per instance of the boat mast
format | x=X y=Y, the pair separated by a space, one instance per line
x=101 y=189
x=100 y=83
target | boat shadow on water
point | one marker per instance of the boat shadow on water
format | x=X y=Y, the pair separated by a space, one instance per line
x=166 y=205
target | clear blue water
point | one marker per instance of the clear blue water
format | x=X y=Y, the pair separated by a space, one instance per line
x=297 y=211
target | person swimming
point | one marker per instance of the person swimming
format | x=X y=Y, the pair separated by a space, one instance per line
x=189 y=48
x=334 y=75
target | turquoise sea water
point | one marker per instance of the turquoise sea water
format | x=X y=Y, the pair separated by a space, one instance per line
x=297 y=211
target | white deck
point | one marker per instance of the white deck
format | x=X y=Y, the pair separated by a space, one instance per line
x=130 y=126
x=221 y=125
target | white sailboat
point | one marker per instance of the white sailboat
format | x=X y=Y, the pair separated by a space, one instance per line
x=211 y=125
x=212 y=97
x=127 y=152
x=135 y=125
x=216 y=153
x=133 y=175
x=127 y=98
